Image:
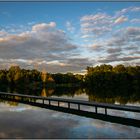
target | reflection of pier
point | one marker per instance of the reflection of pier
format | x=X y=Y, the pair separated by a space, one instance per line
x=56 y=104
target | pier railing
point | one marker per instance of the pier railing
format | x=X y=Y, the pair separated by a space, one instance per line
x=48 y=103
x=79 y=103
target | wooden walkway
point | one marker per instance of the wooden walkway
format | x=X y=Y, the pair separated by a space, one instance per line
x=48 y=103
x=79 y=103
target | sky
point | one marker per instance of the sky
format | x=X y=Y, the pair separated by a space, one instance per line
x=69 y=36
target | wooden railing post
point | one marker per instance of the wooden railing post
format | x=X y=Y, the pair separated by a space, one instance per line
x=105 y=111
x=49 y=102
x=95 y=109
x=68 y=104
x=78 y=106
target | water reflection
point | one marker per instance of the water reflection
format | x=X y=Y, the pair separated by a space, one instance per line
x=47 y=92
x=44 y=123
x=13 y=106
x=80 y=93
x=34 y=122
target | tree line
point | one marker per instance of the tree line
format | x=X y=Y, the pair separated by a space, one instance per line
x=17 y=77
x=120 y=79
x=102 y=79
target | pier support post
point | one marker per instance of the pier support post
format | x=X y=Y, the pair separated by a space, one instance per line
x=68 y=105
x=43 y=101
x=78 y=106
x=58 y=103
x=49 y=102
x=95 y=109
x=105 y=111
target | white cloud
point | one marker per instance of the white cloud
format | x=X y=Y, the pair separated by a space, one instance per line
x=43 y=43
x=96 y=31
x=116 y=41
x=135 y=9
x=118 y=59
x=124 y=37
x=85 y=36
x=44 y=46
x=96 y=24
x=114 y=50
x=95 y=46
x=69 y=26
x=43 y=26
x=135 y=20
x=127 y=10
x=100 y=24
x=132 y=31
x=110 y=35
x=3 y=33
x=121 y=19
x=121 y=47
x=42 y=37
x=96 y=17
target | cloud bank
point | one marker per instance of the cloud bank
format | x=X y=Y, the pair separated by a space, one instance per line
x=101 y=38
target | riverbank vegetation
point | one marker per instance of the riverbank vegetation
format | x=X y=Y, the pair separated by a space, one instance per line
x=118 y=79
x=104 y=79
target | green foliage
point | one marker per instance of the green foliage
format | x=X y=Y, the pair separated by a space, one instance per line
x=16 y=77
x=119 y=78
x=67 y=78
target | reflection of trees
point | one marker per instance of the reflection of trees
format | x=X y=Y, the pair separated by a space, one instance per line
x=122 y=100
x=79 y=91
x=62 y=91
x=99 y=99
x=43 y=93
x=112 y=96
x=120 y=83
x=50 y=91
x=98 y=96
x=11 y=103
x=47 y=92
x=104 y=83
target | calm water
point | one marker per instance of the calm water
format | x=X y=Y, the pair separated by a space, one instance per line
x=24 y=121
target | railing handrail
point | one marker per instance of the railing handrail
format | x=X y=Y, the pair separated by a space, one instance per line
x=81 y=102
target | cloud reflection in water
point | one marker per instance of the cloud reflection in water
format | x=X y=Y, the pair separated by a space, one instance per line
x=33 y=122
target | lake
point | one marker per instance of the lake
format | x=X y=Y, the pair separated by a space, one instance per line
x=24 y=121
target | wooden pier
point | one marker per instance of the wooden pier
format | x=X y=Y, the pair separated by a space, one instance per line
x=48 y=102
x=96 y=105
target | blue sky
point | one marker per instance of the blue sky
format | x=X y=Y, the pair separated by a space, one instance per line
x=69 y=36
x=25 y=12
